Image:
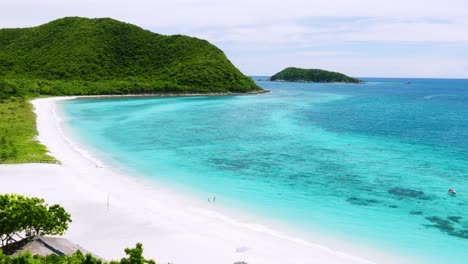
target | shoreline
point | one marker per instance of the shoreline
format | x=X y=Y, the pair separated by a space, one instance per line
x=116 y=96
x=172 y=227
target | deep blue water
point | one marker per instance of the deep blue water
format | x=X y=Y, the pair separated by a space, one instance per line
x=368 y=162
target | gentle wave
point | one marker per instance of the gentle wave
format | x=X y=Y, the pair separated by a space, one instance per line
x=432 y=96
x=275 y=233
x=83 y=152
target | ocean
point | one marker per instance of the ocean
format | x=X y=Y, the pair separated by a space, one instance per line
x=369 y=163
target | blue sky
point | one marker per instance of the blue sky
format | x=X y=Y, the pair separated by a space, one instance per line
x=363 y=38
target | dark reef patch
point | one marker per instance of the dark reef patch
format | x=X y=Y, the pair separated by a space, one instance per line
x=408 y=193
x=361 y=201
x=416 y=213
x=447 y=226
x=441 y=224
x=393 y=206
x=455 y=219
x=463 y=233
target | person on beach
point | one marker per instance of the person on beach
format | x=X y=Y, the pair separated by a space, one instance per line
x=209 y=199
x=214 y=199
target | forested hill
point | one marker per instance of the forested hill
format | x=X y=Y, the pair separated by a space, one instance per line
x=292 y=74
x=76 y=55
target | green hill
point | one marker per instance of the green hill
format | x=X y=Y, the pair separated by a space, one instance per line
x=292 y=74
x=83 y=56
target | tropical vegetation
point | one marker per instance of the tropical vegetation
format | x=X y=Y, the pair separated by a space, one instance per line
x=22 y=218
x=81 y=56
x=293 y=74
x=134 y=256
x=18 y=133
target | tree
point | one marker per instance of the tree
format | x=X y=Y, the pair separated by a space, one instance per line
x=134 y=256
x=25 y=217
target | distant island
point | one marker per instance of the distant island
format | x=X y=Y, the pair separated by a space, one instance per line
x=292 y=74
x=81 y=56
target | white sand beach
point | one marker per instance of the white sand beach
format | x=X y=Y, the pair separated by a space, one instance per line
x=173 y=228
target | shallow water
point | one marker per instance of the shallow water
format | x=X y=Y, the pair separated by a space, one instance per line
x=369 y=162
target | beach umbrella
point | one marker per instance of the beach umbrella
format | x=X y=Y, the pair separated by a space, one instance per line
x=241 y=250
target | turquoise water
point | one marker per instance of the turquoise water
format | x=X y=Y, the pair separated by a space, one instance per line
x=369 y=162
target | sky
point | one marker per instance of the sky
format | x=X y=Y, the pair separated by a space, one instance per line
x=361 y=38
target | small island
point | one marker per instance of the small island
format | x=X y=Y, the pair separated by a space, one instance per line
x=292 y=74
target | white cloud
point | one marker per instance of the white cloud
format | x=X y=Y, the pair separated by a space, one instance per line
x=394 y=66
x=226 y=12
x=413 y=32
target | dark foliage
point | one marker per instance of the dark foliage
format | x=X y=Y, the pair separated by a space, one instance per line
x=25 y=217
x=134 y=256
x=80 y=56
x=292 y=74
